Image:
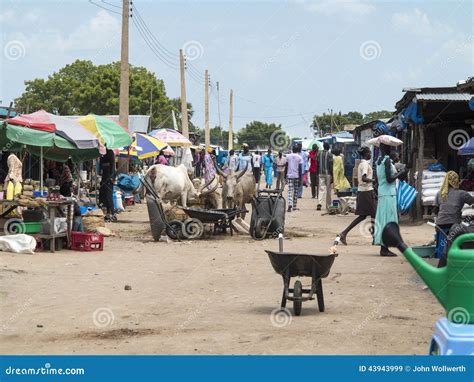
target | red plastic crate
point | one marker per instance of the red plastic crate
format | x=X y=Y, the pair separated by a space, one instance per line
x=87 y=241
x=129 y=201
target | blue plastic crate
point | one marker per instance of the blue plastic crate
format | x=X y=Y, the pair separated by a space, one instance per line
x=452 y=339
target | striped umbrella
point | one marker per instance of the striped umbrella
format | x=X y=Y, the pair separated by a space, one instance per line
x=171 y=137
x=68 y=129
x=109 y=133
x=144 y=146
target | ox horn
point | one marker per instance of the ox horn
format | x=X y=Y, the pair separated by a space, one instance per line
x=219 y=171
x=204 y=192
x=241 y=173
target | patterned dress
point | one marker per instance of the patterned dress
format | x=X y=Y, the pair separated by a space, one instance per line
x=387 y=203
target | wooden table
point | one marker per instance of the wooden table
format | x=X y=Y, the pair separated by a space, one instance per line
x=51 y=208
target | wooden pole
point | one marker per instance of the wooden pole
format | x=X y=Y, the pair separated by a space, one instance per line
x=221 y=140
x=231 y=121
x=150 y=123
x=207 y=132
x=184 y=104
x=124 y=69
x=420 y=165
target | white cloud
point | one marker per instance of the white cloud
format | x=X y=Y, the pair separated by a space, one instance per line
x=345 y=8
x=99 y=35
x=94 y=34
x=418 y=23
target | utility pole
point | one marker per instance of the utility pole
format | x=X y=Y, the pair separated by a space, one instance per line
x=123 y=163
x=207 y=133
x=231 y=121
x=151 y=110
x=184 y=103
x=124 y=75
x=219 y=113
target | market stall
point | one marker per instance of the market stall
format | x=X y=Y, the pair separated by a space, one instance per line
x=33 y=208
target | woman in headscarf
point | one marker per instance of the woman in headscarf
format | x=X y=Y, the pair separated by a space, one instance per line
x=387 y=194
x=340 y=180
x=448 y=205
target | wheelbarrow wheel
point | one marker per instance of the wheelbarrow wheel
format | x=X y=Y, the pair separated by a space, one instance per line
x=174 y=230
x=193 y=229
x=297 y=293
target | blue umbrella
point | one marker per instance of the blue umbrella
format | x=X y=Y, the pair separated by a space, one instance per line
x=467 y=148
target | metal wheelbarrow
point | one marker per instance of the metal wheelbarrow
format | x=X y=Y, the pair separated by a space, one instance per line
x=220 y=218
x=288 y=265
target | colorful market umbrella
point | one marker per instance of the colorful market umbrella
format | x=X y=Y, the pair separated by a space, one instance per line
x=144 y=146
x=171 y=137
x=308 y=144
x=44 y=122
x=467 y=148
x=42 y=143
x=109 y=133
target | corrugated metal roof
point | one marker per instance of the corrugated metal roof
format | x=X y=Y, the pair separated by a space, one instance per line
x=444 y=96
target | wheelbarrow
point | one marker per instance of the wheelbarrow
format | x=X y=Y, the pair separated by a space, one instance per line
x=220 y=218
x=289 y=264
x=268 y=214
x=158 y=222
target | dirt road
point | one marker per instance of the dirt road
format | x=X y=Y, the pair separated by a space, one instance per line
x=215 y=296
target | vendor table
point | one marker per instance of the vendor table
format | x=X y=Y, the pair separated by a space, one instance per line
x=53 y=210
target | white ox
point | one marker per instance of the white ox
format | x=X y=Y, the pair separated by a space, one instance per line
x=238 y=189
x=173 y=183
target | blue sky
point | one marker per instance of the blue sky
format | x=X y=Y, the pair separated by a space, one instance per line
x=285 y=60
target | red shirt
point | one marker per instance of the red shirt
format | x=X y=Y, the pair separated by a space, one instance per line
x=313 y=161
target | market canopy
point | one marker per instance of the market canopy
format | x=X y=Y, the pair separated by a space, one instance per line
x=44 y=122
x=171 y=137
x=467 y=148
x=42 y=143
x=144 y=146
x=109 y=133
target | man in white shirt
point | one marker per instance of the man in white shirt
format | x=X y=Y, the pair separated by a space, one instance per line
x=232 y=161
x=366 y=204
x=257 y=167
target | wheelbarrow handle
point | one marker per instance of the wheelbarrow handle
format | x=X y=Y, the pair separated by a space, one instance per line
x=438 y=229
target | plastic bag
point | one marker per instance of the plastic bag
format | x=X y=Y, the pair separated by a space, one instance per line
x=406 y=195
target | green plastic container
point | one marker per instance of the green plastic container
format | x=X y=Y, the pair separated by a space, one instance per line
x=424 y=250
x=453 y=285
x=33 y=227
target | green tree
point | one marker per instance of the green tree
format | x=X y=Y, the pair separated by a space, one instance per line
x=354 y=117
x=219 y=136
x=263 y=135
x=377 y=115
x=176 y=105
x=329 y=123
x=332 y=123
x=82 y=88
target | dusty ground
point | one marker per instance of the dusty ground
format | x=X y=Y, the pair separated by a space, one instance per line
x=213 y=296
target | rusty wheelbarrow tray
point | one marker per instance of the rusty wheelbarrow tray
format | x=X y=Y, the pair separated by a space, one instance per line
x=290 y=265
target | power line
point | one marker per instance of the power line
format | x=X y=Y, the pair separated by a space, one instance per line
x=164 y=54
x=112 y=5
x=107 y=9
x=164 y=50
x=159 y=54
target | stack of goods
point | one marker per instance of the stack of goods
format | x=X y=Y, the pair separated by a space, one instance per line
x=430 y=186
x=92 y=220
